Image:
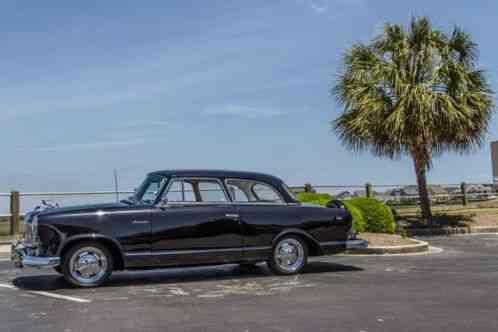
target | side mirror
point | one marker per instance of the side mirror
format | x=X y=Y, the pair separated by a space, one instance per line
x=162 y=204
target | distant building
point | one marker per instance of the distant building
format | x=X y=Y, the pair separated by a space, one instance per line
x=478 y=188
x=344 y=195
x=409 y=191
x=437 y=193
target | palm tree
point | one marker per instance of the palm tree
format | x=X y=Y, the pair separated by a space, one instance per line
x=415 y=92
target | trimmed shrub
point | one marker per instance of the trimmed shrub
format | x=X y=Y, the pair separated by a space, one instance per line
x=359 y=225
x=314 y=198
x=377 y=216
x=323 y=199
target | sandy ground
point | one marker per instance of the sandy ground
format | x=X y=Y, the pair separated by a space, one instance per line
x=383 y=240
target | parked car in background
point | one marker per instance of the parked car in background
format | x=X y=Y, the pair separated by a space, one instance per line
x=185 y=217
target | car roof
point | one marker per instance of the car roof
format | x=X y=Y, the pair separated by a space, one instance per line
x=217 y=174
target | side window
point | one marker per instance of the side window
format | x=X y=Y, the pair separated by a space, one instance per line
x=195 y=190
x=177 y=193
x=211 y=191
x=150 y=193
x=265 y=193
x=237 y=194
x=252 y=191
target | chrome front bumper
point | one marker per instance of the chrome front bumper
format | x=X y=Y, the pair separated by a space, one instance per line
x=22 y=256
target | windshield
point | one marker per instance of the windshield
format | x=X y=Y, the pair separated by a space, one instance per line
x=149 y=189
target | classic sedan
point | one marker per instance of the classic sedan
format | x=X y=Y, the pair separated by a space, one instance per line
x=185 y=217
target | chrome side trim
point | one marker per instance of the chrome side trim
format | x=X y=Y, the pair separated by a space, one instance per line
x=191 y=252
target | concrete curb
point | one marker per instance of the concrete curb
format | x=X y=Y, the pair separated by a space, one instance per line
x=419 y=246
x=451 y=230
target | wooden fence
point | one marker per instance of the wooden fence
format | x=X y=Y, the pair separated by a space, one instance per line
x=391 y=194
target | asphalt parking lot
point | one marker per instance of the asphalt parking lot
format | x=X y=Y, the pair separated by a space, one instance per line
x=455 y=289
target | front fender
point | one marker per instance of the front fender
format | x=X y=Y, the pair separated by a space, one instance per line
x=95 y=237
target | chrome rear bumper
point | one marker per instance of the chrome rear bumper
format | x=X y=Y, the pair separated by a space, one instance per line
x=356 y=244
x=334 y=247
x=22 y=256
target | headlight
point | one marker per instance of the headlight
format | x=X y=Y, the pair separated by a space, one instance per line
x=31 y=229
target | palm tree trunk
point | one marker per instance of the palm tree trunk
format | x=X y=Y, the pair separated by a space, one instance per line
x=425 y=203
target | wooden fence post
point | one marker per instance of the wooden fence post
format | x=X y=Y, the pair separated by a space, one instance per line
x=463 y=188
x=368 y=189
x=14 y=213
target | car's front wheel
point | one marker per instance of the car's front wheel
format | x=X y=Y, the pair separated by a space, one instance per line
x=289 y=256
x=87 y=264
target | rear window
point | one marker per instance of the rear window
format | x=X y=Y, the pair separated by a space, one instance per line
x=252 y=191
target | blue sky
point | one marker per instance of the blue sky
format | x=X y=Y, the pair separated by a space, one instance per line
x=90 y=86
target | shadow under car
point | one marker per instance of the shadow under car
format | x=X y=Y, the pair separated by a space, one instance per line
x=51 y=282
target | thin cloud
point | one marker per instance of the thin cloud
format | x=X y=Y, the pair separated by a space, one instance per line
x=99 y=145
x=321 y=7
x=142 y=123
x=243 y=111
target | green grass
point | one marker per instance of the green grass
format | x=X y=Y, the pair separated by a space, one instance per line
x=455 y=206
x=4 y=227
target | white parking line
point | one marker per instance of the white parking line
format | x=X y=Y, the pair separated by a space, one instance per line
x=8 y=286
x=48 y=294
x=62 y=297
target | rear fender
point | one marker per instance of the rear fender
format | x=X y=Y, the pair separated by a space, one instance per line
x=313 y=244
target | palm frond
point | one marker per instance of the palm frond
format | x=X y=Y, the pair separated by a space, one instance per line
x=413 y=91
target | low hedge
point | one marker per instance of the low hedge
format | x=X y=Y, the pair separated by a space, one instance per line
x=314 y=198
x=323 y=199
x=369 y=214
x=378 y=217
x=359 y=224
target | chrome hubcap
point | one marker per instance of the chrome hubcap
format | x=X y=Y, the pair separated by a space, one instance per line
x=88 y=265
x=289 y=255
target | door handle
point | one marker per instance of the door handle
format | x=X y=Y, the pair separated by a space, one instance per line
x=140 y=222
x=232 y=215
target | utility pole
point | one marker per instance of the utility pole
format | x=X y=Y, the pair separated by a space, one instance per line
x=116 y=186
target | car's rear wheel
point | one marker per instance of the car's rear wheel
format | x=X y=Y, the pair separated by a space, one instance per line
x=289 y=256
x=87 y=264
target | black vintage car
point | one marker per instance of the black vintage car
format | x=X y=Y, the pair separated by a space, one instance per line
x=185 y=217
